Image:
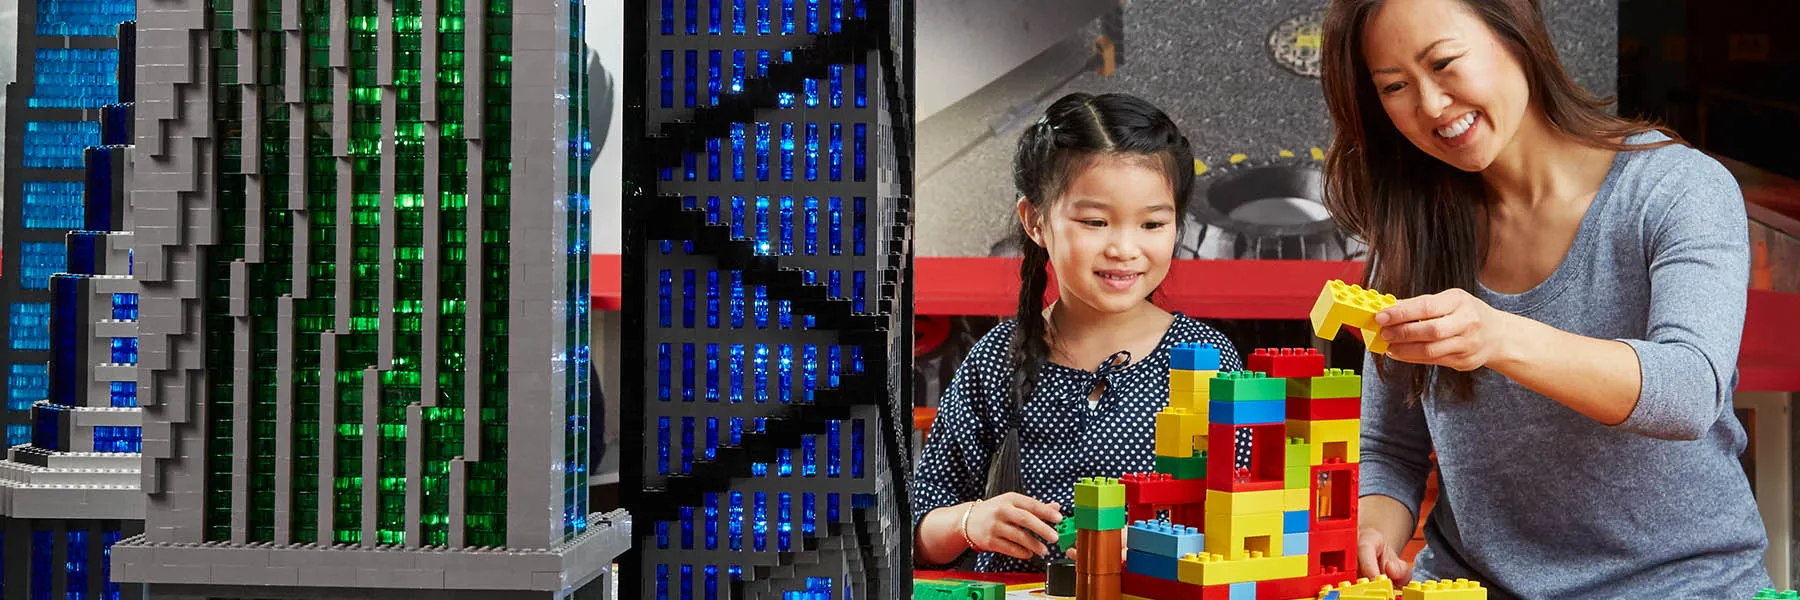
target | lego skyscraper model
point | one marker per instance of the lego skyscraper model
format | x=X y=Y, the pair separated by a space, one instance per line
x=362 y=245
x=71 y=490
x=68 y=54
x=767 y=341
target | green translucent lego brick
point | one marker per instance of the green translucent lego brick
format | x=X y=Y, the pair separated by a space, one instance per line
x=940 y=590
x=1099 y=492
x=1247 y=386
x=1296 y=477
x=1335 y=383
x=1099 y=519
x=1193 y=467
x=1299 y=453
x=1065 y=535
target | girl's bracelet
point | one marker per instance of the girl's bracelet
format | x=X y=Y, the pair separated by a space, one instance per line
x=965 y=526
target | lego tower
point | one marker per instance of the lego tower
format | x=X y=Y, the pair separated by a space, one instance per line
x=67 y=62
x=69 y=491
x=767 y=250
x=361 y=242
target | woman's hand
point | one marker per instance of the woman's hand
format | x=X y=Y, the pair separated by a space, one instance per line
x=1375 y=557
x=1012 y=524
x=1452 y=329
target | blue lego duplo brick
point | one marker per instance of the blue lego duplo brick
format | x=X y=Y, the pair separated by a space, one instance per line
x=1164 y=539
x=1294 y=521
x=1260 y=412
x=1243 y=591
x=1152 y=565
x=1294 y=544
x=1194 y=356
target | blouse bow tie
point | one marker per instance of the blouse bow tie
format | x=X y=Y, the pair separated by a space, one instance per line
x=1109 y=367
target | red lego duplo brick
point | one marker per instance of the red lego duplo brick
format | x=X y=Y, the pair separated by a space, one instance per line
x=1331 y=550
x=1286 y=362
x=1161 y=488
x=1145 y=586
x=1334 y=496
x=1324 y=409
x=1268 y=455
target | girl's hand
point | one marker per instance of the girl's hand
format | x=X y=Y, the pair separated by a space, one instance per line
x=1374 y=557
x=1012 y=524
x=1451 y=329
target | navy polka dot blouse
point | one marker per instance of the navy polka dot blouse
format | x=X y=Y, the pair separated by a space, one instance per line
x=1063 y=439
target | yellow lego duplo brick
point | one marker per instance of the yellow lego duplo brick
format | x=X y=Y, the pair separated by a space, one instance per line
x=1295 y=500
x=1200 y=381
x=1211 y=569
x=1189 y=400
x=1339 y=438
x=1379 y=588
x=1340 y=304
x=1236 y=536
x=1244 y=503
x=1180 y=433
x=1444 y=589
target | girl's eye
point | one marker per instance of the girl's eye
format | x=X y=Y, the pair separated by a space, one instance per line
x=1154 y=225
x=1393 y=87
x=1094 y=223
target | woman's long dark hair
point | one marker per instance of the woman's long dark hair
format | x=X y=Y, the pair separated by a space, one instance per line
x=1420 y=216
x=1075 y=131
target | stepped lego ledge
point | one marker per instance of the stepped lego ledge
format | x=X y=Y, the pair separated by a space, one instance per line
x=350 y=571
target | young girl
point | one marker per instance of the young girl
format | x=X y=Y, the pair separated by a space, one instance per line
x=1103 y=182
x=1575 y=288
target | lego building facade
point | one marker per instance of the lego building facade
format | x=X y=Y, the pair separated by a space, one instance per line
x=69 y=489
x=766 y=267
x=360 y=238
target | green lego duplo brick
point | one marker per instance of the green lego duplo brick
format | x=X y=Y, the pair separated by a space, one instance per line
x=1299 y=453
x=986 y=590
x=940 y=589
x=1099 y=519
x=1247 y=386
x=1335 y=383
x=1099 y=492
x=1065 y=535
x=1771 y=594
x=1193 y=467
x=1296 y=477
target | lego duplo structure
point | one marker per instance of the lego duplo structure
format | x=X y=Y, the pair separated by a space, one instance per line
x=1255 y=490
x=359 y=240
x=766 y=262
x=70 y=489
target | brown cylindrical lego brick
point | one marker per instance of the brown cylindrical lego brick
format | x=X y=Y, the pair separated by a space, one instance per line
x=1089 y=586
x=1109 y=553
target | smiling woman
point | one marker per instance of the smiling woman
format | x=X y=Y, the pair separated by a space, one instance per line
x=1574 y=290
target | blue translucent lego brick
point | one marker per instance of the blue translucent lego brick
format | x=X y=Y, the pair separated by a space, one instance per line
x=1256 y=412
x=115 y=122
x=38 y=261
x=75 y=78
x=83 y=18
x=125 y=351
x=1191 y=356
x=1294 y=521
x=82 y=248
x=1150 y=565
x=43 y=563
x=77 y=565
x=30 y=325
x=1294 y=544
x=124 y=394
x=1243 y=591
x=58 y=144
x=46 y=426
x=26 y=383
x=125 y=307
x=52 y=205
x=112 y=588
x=1164 y=539
x=18 y=433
